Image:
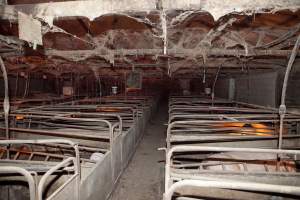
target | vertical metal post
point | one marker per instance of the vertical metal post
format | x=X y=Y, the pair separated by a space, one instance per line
x=282 y=107
x=6 y=101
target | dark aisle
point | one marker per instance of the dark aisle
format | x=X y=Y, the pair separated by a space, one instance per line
x=143 y=178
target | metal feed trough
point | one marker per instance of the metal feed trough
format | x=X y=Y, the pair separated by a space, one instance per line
x=106 y=133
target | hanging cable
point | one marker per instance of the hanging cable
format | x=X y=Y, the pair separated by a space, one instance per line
x=213 y=86
x=248 y=82
x=6 y=100
x=169 y=67
x=204 y=75
x=78 y=85
x=282 y=107
x=26 y=86
x=100 y=88
x=72 y=90
x=87 y=86
x=17 y=84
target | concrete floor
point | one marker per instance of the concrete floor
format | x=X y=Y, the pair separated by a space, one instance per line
x=143 y=178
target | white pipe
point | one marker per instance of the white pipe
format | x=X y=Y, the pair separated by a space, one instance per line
x=26 y=174
x=235 y=185
x=52 y=170
x=282 y=107
x=6 y=98
x=48 y=141
x=185 y=148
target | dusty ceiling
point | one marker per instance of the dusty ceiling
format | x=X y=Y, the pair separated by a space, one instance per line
x=167 y=37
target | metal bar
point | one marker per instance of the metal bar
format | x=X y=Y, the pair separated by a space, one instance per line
x=282 y=107
x=184 y=148
x=51 y=141
x=26 y=174
x=231 y=184
x=55 y=168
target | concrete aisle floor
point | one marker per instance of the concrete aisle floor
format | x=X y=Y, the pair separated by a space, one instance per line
x=143 y=178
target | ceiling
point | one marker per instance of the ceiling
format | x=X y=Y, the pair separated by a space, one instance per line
x=174 y=42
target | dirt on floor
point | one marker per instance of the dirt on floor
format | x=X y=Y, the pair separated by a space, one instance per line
x=143 y=178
